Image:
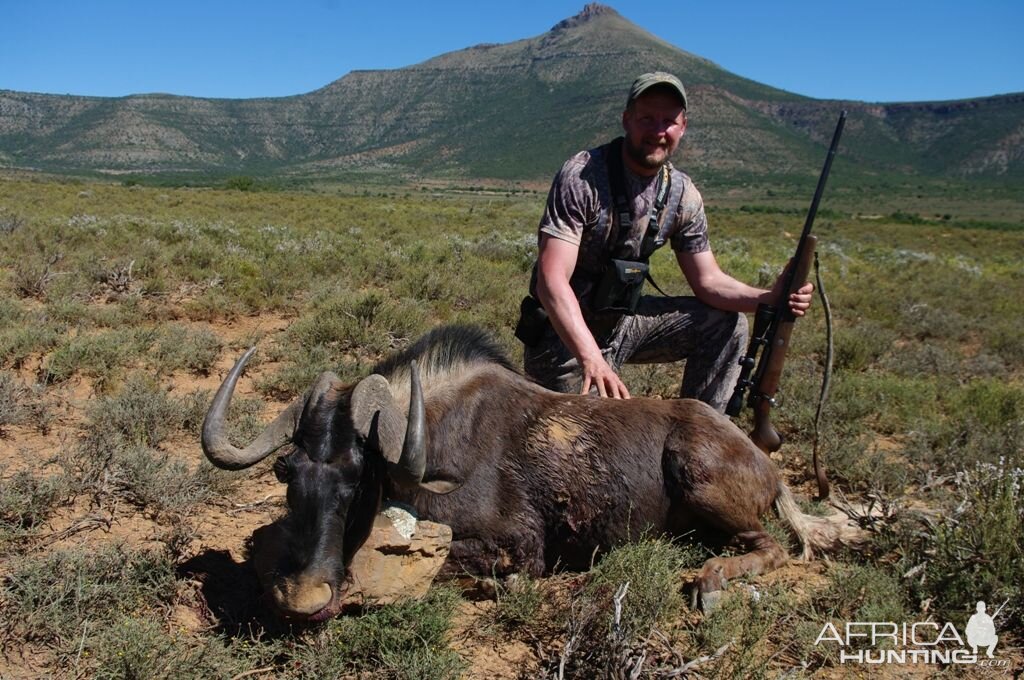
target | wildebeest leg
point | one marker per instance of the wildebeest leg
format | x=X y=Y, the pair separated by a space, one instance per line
x=725 y=491
x=765 y=554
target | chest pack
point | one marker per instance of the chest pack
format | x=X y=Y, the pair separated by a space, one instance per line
x=621 y=283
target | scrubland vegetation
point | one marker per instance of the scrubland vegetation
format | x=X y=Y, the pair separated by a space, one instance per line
x=120 y=306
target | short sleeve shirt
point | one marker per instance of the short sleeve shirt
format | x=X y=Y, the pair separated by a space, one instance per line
x=579 y=210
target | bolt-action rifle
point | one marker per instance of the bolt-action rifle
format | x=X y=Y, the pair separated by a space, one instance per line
x=773 y=325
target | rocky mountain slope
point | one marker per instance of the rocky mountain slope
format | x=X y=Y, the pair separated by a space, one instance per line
x=509 y=111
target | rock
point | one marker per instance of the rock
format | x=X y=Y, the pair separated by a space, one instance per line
x=394 y=563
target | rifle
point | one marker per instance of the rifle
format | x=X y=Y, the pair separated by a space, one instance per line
x=773 y=325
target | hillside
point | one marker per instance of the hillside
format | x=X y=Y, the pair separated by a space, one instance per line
x=511 y=111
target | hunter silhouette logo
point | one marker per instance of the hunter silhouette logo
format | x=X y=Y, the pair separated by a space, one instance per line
x=929 y=642
x=981 y=630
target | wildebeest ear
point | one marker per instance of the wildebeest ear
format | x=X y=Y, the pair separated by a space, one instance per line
x=375 y=414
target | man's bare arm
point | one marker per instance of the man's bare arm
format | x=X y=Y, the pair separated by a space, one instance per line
x=556 y=262
x=714 y=287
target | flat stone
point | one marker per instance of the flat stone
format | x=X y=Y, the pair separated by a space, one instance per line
x=393 y=566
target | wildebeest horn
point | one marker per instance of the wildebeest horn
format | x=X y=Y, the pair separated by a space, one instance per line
x=372 y=402
x=222 y=452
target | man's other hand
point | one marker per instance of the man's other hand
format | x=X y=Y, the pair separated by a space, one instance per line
x=800 y=301
x=597 y=373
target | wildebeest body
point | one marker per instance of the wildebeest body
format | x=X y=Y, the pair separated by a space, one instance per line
x=526 y=478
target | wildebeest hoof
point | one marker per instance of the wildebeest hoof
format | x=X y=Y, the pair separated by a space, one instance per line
x=478 y=588
x=710 y=601
x=706 y=599
x=712 y=576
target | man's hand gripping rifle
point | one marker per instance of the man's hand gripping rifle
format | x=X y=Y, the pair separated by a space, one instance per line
x=773 y=325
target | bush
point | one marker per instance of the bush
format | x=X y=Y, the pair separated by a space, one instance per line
x=179 y=347
x=738 y=635
x=54 y=598
x=518 y=602
x=240 y=183
x=407 y=640
x=644 y=577
x=132 y=648
x=99 y=356
x=141 y=413
x=26 y=501
x=24 y=336
x=974 y=549
x=118 y=454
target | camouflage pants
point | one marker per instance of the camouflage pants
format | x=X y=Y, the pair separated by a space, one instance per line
x=663 y=330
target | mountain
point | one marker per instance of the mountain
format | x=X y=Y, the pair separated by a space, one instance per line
x=509 y=111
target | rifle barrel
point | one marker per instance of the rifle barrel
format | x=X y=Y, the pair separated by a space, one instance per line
x=824 y=174
x=813 y=211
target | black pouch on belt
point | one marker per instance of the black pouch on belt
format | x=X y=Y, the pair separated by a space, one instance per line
x=620 y=287
x=533 y=321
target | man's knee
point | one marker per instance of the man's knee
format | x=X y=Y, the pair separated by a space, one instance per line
x=735 y=333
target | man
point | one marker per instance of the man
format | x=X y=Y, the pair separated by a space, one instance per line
x=588 y=340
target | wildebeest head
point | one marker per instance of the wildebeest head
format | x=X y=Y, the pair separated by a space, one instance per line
x=345 y=441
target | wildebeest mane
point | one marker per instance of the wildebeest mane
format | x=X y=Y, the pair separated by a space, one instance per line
x=445 y=349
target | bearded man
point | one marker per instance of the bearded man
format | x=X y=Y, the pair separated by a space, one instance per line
x=607 y=210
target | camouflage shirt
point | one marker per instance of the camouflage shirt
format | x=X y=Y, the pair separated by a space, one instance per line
x=580 y=210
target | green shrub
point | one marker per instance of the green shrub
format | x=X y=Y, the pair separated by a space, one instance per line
x=53 y=598
x=118 y=454
x=179 y=347
x=26 y=501
x=858 y=347
x=652 y=568
x=100 y=356
x=33 y=276
x=518 y=602
x=140 y=413
x=131 y=648
x=369 y=322
x=644 y=577
x=157 y=482
x=240 y=183
x=861 y=593
x=740 y=632
x=974 y=548
x=407 y=640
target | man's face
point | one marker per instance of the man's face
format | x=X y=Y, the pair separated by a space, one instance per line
x=654 y=124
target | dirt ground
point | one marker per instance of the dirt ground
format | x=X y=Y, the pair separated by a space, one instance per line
x=220 y=591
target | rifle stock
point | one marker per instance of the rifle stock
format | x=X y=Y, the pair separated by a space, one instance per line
x=773 y=357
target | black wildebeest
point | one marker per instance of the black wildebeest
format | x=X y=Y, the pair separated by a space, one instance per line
x=526 y=478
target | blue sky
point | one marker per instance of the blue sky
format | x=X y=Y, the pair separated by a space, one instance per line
x=911 y=50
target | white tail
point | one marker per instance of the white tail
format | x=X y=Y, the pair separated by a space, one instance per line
x=824 y=534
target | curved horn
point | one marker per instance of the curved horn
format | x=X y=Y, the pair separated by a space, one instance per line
x=413 y=461
x=372 y=404
x=222 y=452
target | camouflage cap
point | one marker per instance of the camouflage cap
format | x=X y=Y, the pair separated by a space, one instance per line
x=649 y=80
